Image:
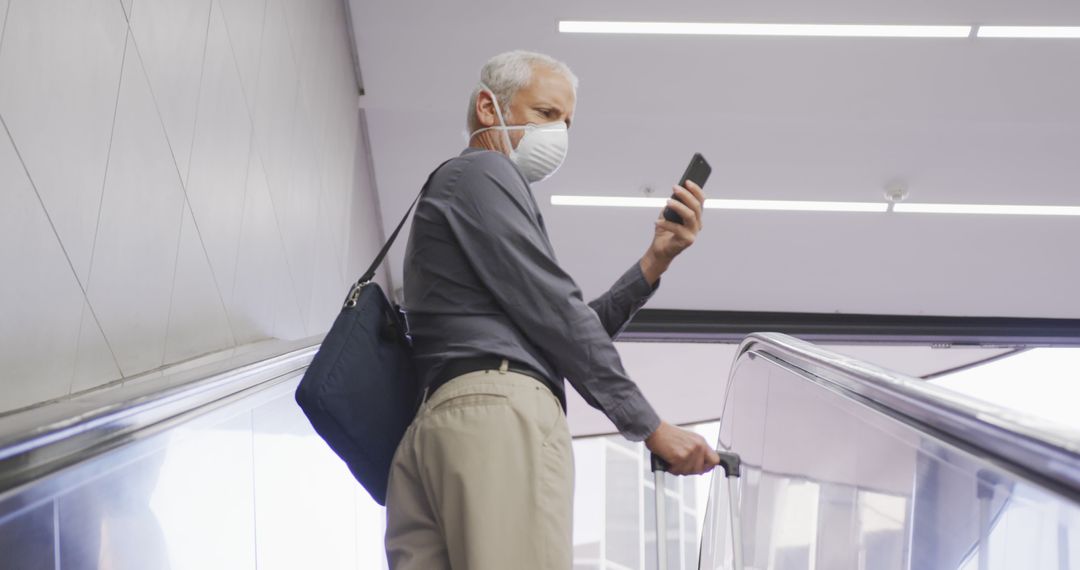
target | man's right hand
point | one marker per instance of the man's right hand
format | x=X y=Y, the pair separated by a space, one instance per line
x=685 y=451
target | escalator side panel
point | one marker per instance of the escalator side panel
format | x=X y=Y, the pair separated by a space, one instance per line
x=27 y=539
x=246 y=485
x=831 y=482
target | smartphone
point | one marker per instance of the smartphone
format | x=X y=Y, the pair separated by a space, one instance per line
x=697 y=172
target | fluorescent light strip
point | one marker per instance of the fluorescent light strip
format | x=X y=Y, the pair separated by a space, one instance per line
x=796 y=205
x=1030 y=32
x=820 y=206
x=738 y=29
x=610 y=201
x=987 y=209
x=724 y=204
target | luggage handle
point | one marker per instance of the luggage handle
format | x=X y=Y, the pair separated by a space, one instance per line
x=731 y=463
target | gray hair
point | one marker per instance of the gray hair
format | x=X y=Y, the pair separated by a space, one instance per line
x=507 y=72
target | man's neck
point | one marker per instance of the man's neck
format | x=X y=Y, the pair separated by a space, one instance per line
x=488 y=140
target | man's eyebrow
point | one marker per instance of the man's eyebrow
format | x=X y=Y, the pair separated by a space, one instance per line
x=555 y=106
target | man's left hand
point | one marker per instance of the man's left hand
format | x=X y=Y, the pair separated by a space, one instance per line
x=671 y=239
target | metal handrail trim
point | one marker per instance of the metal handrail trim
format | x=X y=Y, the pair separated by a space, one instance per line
x=1001 y=433
x=104 y=422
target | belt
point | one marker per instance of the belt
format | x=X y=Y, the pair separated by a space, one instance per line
x=462 y=366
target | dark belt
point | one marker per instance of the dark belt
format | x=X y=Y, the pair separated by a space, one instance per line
x=463 y=366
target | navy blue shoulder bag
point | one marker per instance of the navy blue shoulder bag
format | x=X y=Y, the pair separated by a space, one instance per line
x=360 y=391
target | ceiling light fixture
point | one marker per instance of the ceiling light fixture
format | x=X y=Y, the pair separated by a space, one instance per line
x=796 y=205
x=987 y=209
x=821 y=206
x=1030 y=32
x=740 y=29
x=609 y=201
x=723 y=204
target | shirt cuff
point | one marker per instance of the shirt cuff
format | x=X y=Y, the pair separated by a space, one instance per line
x=635 y=418
x=634 y=288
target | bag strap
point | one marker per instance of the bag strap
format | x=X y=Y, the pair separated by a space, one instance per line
x=370 y=273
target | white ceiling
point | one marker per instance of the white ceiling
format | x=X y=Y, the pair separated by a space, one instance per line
x=686 y=382
x=970 y=121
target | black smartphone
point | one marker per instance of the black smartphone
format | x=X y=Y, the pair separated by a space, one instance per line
x=697 y=172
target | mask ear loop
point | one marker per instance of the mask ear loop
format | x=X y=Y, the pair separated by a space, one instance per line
x=502 y=124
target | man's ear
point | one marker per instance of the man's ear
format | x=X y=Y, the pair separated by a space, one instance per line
x=485 y=109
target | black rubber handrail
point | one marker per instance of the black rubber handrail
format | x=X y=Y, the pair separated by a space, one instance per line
x=672 y=325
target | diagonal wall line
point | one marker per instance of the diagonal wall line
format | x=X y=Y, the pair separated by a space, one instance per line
x=52 y=226
x=249 y=98
x=277 y=219
x=243 y=213
x=7 y=12
x=183 y=183
x=187 y=179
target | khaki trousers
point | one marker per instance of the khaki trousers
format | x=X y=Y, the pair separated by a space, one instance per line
x=483 y=479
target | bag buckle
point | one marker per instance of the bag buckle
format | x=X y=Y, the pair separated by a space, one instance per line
x=354 y=293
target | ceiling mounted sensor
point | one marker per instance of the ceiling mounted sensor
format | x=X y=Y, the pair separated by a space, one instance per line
x=1029 y=32
x=745 y=29
x=895 y=191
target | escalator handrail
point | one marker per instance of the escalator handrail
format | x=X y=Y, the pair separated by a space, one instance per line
x=1042 y=450
x=53 y=441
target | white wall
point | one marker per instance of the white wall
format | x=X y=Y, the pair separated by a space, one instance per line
x=176 y=177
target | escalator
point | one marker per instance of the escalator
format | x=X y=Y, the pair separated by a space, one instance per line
x=845 y=465
x=209 y=464
x=205 y=465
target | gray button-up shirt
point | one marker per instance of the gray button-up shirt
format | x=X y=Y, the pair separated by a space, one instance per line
x=481 y=280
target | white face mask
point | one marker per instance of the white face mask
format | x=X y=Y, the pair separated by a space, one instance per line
x=541 y=150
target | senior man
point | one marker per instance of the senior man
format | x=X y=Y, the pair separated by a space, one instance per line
x=483 y=479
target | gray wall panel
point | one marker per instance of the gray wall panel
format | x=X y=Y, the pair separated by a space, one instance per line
x=185 y=179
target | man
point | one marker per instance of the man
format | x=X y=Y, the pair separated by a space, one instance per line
x=483 y=478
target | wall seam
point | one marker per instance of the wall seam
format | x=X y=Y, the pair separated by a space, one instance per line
x=289 y=38
x=255 y=150
x=172 y=289
x=243 y=216
x=187 y=178
x=183 y=188
x=277 y=223
x=198 y=94
x=253 y=103
x=354 y=46
x=101 y=204
x=298 y=106
x=243 y=90
x=251 y=139
x=320 y=199
x=377 y=203
x=7 y=11
x=56 y=235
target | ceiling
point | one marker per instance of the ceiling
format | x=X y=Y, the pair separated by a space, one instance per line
x=686 y=382
x=970 y=121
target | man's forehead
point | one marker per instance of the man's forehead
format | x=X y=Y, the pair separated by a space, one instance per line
x=550 y=84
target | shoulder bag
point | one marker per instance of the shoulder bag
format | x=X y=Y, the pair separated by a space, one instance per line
x=360 y=391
